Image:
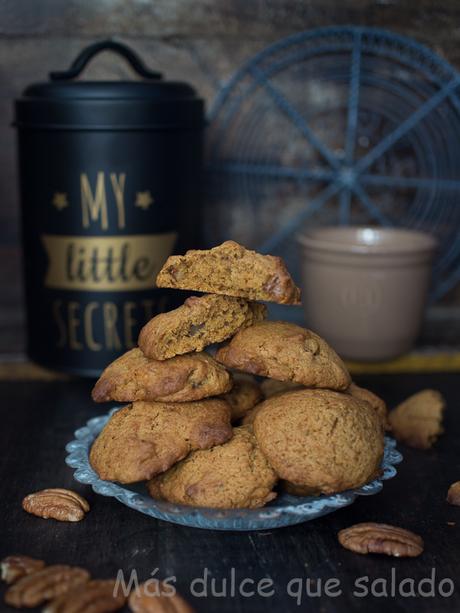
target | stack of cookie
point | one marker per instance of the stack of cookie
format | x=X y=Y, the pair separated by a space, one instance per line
x=201 y=430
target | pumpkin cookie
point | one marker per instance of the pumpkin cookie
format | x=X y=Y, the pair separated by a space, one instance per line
x=321 y=439
x=417 y=421
x=243 y=396
x=248 y=419
x=233 y=475
x=287 y=352
x=181 y=379
x=146 y=438
x=379 y=406
x=298 y=490
x=199 y=322
x=270 y=387
x=232 y=270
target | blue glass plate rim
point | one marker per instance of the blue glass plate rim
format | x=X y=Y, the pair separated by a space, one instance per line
x=285 y=510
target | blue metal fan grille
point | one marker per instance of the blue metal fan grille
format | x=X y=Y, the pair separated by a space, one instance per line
x=338 y=125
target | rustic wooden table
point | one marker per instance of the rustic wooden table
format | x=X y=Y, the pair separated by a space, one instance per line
x=38 y=418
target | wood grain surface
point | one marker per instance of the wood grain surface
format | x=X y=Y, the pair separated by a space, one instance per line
x=38 y=419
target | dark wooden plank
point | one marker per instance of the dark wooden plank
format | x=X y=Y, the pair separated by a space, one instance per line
x=190 y=17
x=39 y=418
x=426 y=19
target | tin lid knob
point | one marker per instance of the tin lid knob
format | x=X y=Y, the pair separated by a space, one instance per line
x=82 y=59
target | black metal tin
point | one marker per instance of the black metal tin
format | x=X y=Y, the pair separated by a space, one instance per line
x=110 y=184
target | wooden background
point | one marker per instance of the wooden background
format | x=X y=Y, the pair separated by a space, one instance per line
x=201 y=41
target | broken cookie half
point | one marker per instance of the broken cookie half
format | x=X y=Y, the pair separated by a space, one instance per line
x=232 y=270
x=417 y=421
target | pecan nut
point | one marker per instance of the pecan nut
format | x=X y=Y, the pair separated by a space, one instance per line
x=60 y=504
x=417 y=421
x=15 y=567
x=453 y=495
x=371 y=537
x=154 y=596
x=43 y=585
x=97 y=596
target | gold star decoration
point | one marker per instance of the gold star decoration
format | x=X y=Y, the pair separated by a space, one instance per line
x=60 y=200
x=144 y=200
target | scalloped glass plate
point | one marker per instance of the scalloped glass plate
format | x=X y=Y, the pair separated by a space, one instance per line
x=285 y=510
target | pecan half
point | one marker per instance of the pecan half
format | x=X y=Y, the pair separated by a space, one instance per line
x=15 y=567
x=155 y=597
x=417 y=421
x=97 y=596
x=60 y=504
x=44 y=585
x=453 y=494
x=370 y=537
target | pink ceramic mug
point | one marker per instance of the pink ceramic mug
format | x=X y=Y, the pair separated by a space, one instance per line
x=365 y=288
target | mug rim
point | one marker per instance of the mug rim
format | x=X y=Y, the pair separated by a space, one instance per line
x=367 y=239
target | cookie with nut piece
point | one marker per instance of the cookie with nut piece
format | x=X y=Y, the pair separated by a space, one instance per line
x=370 y=537
x=183 y=378
x=285 y=351
x=232 y=270
x=56 y=503
x=146 y=438
x=199 y=322
x=233 y=475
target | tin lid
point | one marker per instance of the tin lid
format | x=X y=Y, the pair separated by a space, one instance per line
x=148 y=104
